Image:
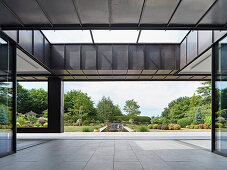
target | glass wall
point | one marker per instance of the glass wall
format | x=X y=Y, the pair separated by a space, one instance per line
x=6 y=96
x=221 y=97
x=32 y=104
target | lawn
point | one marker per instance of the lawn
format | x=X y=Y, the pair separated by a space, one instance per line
x=78 y=128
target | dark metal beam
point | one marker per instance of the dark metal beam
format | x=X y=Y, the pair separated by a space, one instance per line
x=59 y=75
x=44 y=12
x=92 y=38
x=12 y=12
x=115 y=27
x=173 y=13
x=110 y=12
x=77 y=13
x=141 y=13
x=138 y=38
x=197 y=24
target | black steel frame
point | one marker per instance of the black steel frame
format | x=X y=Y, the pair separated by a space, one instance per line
x=14 y=90
x=116 y=27
x=215 y=55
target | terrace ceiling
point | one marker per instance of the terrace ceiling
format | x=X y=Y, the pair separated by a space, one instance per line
x=113 y=14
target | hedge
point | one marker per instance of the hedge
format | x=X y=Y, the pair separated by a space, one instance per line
x=185 y=121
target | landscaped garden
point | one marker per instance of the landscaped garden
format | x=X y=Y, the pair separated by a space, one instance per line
x=184 y=114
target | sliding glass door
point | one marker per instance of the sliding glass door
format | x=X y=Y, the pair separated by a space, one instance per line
x=7 y=134
x=220 y=98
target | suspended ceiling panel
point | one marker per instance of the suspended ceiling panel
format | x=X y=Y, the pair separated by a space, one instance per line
x=26 y=65
x=99 y=8
x=158 y=12
x=28 y=11
x=201 y=65
x=6 y=17
x=190 y=11
x=217 y=14
x=60 y=11
x=108 y=14
x=126 y=11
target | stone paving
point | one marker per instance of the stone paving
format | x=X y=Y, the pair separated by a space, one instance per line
x=116 y=151
x=113 y=154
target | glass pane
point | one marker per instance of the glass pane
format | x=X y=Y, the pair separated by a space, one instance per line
x=115 y=36
x=221 y=98
x=68 y=36
x=6 y=107
x=162 y=36
x=32 y=104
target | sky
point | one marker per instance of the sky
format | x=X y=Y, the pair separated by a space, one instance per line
x=152 y=96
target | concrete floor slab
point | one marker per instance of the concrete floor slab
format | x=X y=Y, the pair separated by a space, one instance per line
x=115 y=154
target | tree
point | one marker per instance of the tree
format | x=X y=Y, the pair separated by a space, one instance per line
x=39 y=100
x=105 y=109
x=195 y=101
x=132 y=108
x=117 y=111
x=75 y=99
x=205 y=92
x=198 y=116
x=3 y=117
x=24 y=100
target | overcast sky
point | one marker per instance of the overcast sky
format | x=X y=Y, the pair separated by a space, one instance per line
x=152 y=96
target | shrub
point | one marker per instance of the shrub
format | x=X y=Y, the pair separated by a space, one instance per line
x=27 y=125
x=142 y=119
x=165 y=127
x=218 y=125
x=200 y=126
x=4 y=126
x=96 y=128
x=45 y=125
x=143 y=129
x=159 y=127
x=192 y=126
x=31 y=119
x=85 y=123
x=150 y=126
x=78 y=122
x=196 y=127
x=188 y=126
x=121 y=118
x=171 y=126
x=3 y=117
x=207 y=119
x=41 y=121
x=155 y=126
x=185 y=121
x=131 y=121
x=206 y=126
x=91 y=124
x=86 y=129
x=18 y=124
x=21 y=120
x=177 y=127
x=37 y=124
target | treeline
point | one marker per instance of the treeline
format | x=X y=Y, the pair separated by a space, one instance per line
x=78 y=105
x=185 y=110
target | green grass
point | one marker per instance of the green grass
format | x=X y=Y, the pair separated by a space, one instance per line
x=138 y=129
x=78 y=128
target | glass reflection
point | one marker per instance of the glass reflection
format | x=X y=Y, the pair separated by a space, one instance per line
x=6 y=107
x=221 y=98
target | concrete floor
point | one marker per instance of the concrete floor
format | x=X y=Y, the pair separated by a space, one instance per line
x=119 y=154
